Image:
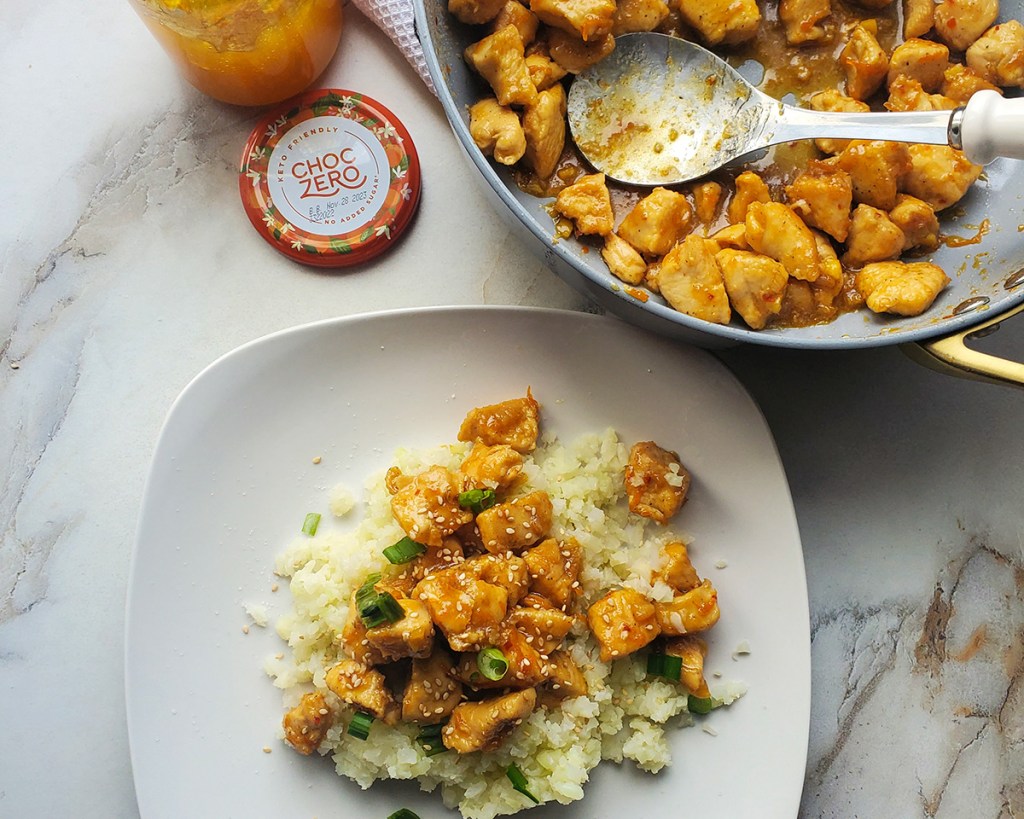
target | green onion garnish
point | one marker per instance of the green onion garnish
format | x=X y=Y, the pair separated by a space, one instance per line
x=376 y=608
x=664 y=665
x=310 y=524
x=359 y=727
x=404 y=551
x=492 y=663
x=382 y=609
x=476 y=500
x=518 y=781
x=702 y=705
x=403 y=813
x=429 y=739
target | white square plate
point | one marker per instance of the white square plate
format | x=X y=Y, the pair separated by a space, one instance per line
x=233 y=476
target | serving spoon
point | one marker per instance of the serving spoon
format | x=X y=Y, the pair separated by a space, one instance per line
x=660 y=110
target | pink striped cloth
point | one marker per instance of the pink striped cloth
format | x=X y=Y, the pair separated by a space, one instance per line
x=395 y=18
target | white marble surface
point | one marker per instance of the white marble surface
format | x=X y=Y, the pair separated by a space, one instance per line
x=127 y=264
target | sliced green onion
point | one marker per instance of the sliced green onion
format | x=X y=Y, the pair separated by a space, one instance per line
x=430 y=740
x=403 y=813
x=492 y=663
x=359 y=727
x=404 y=551
x=367 y=590
x=380 y=610
x=476 y=500
x=310 y=524
x=376 y=608
x=519 y=782
x=664 y=665
x=702 y=705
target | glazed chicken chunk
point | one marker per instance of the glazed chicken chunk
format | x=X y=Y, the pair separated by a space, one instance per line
x=638 y=15
x=427 y=507
x=864 y=62
x=958 y=23
x=411 y=636
x=961 y=82
x=998 y=55
x=518 y=15
x=544 y=625
x=586 y=19
x=656 y=481
x=475 y=12
x=544 y=128
x=305 y=725
x=918 y=222
x=749 y=188
x=554 y=570
x=755 y=284
x=690 y=280
x=873 y=237
x=696 y=610
x=494 y=467
x=921 y=60
x=515 y=423
x=622 y=622
x=676 y=569
x=544 y=71
x=906 y=94
x=573 y=54
x=516 y=525
x=877 y=169
x=496 y=131
x=526 y=666
x=939 y=175
x=822 y=196
x=484 y=725
x=801 y=18
x=364 y=688
x=918 y=17
x=432 y=692
x=775 y=230
x=507 y=571
x=721 y=21
x=826 y=287
x=467 y=610
x=903 y=288
x=657 y=222
x=565 y=680
x=500 y=59
x=588 y=203
x=691 y=650
x=623 y=260
x=707 y=196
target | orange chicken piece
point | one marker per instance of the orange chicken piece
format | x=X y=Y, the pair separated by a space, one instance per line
x=623 y=621
x=515 y=423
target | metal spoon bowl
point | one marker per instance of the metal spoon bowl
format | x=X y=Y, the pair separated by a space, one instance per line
x=660 y=110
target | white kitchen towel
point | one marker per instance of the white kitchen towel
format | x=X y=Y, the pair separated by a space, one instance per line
x=395 y=18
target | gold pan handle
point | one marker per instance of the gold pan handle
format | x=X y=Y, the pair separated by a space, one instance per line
x=951 y=355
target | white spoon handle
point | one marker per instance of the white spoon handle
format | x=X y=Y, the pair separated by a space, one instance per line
x=991 y=126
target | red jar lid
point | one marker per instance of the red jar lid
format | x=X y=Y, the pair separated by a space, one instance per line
x=330 y=179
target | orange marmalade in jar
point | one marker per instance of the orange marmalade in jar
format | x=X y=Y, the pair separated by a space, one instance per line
x=246 y=52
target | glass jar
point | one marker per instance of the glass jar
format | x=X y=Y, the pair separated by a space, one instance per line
x=246 y=52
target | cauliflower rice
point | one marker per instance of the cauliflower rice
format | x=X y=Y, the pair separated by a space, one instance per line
x=625 y=714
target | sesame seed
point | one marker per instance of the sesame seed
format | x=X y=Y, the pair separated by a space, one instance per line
x=266 y=749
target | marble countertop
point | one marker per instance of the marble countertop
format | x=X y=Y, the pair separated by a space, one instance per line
x=127 y=265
